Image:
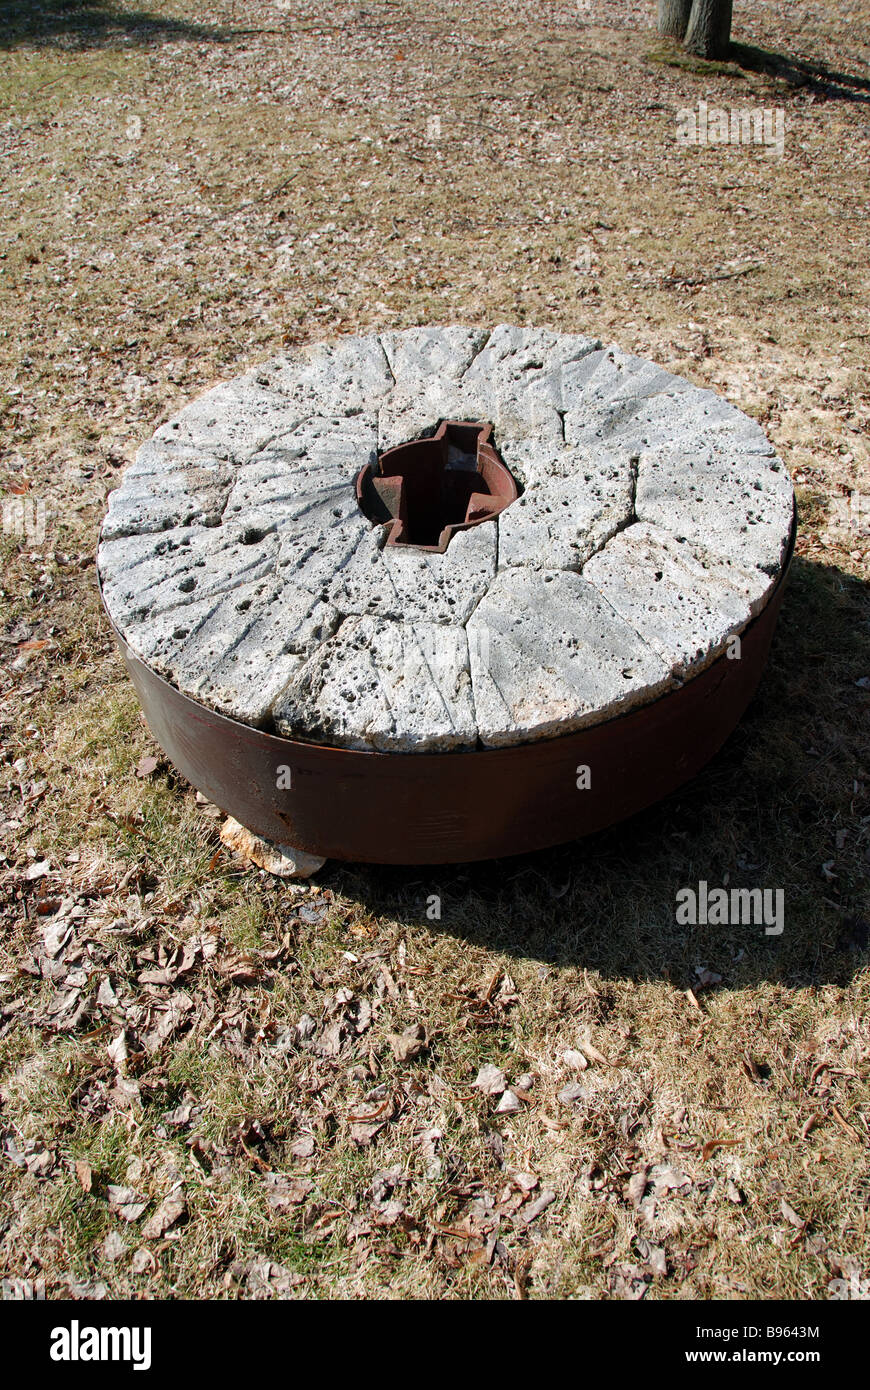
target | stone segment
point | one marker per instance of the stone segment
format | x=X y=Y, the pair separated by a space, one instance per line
x=514 y=382
x=345 y=377
x=322 y=453
x=231 y=421
x=302 y=486
x=683 y=608
x=605 y=390
x=444 y=354
x=743 y=513
x=384 y=685
x=549 y=655
x=193 y=495
x=404 y=584
x=236 y=652
x=142 y=575
x=573 y=503
x=528 y=362
x=235 y=560
x=683 y=416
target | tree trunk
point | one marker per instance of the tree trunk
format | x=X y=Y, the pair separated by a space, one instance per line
x=673 y=18
x=709 y=31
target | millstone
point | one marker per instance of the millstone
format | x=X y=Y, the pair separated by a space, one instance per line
x=238 y=564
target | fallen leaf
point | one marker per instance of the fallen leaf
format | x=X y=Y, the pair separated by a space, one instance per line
x=126 y=1202
x=490 y=1080
x=712 y=1145
x=89 y=1289
x=55 y=936
x=526 y=1182
x=593 y=1054
x=283 y=1192
x=530 y=1213
x=147 y=765
x=117 y=1050
x=114 y=1247
x=106 y=996
x=367 y=1120
x=171 y=1210
x=409 y=1043
x=240 y=968
x=40 y=1162
x=791 y=1215
x=844 y=1125
x=637 y=1187
x=84 y=1175
x=570 y=1094
x=666 y=1178
x=168 y=1020
x=574 y=1059
x=303 y=1147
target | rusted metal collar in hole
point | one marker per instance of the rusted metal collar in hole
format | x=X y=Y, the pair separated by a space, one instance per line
x=427 y=489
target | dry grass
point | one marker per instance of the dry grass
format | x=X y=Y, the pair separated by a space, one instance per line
x=148 y=252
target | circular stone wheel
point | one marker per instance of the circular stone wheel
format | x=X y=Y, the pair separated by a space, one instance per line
x=653 y=525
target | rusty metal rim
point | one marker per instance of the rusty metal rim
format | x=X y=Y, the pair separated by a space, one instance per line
x=455 y=807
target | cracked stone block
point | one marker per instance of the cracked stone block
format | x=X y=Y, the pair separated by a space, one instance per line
x=549 y=655
x=232 y=420
x=569 y=509
x=236 y=652
x=392 y=686
x=147 y=574
x=443 y=353
x=345 y=377
x=683 y=606
x=194 y=495
x=739 y=508
x=393 y=581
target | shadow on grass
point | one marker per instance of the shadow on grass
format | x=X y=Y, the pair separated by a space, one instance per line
x=780 y=807
x=799 y=72
x=813 y=74
x=78 y=25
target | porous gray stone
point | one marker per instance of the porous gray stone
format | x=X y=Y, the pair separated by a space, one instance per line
x=549 y=655
x=652 y=525
x=345 y=377
x=399 y=582
x=682 y=604
x=739 y=508
x=574 y=501
x=236 y=651
x=379 y=684
x=232 y=421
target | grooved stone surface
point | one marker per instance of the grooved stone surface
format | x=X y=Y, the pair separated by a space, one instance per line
x=653 y=523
